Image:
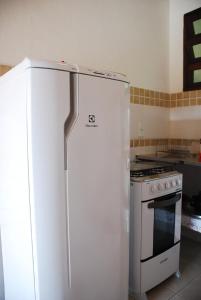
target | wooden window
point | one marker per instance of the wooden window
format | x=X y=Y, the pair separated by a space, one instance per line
x=192 y=50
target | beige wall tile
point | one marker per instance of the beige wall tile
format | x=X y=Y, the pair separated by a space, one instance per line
x=132 y=90
x=186 y=95
x=173 y=96
x=198 y=93
x=141 y=100
x=192 y=94
x=136 y=99
x=179 y=96
x=136 y=91
x=157 y=95
x=161 y=118
x=186 y=102
x=146 y=93
x=152 y=94
x=193 y=101
x=4 y=69
x=167 y=96
x=142 y=92
x=147 y=101
x=179 y=102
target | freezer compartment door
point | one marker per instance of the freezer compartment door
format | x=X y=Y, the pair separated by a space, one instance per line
x=98 y=187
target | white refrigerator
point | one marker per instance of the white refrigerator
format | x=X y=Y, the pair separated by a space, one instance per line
x=64 y=183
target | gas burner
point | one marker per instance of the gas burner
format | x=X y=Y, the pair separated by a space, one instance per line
x=150 y=171
x=137 y=173
x=157 y=170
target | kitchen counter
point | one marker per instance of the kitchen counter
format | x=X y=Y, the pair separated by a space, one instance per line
x=191 y=222
x=191 y=160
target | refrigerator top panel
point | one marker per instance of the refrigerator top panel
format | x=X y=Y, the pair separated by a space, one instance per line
x=102 y=73
x=28 y=63
x=32 y=63
x=64 y=66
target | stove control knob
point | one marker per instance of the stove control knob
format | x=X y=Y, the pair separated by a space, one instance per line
x=173 y=183
x=167 y=185
x=160 y=187
x=153 y=188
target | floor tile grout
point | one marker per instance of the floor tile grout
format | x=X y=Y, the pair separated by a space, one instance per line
x=187 y=284
x=190 y=281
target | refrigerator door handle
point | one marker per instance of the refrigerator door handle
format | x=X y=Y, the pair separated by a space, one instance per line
x=73 y=113
x=71 y=119
x=67 y=230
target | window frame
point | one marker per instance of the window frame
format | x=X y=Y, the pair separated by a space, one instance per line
x=190 y=63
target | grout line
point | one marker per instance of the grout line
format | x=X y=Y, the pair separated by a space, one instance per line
x=187 y=284
x=143 y=96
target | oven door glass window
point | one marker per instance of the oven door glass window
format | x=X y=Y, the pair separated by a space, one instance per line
x=164 y=221
x=164 y=229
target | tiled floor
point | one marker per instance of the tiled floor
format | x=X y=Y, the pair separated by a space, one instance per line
x=188 y=287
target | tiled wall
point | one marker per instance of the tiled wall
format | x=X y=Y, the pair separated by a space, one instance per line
x=191 y=98
x=162 y=143
x=156 y=98
x=182 y=111
x=4 y=69
x=150 y=146
x=149 y=97
x=147 y=146
x=167 y=120
x=149 y=108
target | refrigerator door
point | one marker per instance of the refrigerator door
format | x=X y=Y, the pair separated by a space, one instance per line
x=48 y=108
x=98 y=187
x=16 y=264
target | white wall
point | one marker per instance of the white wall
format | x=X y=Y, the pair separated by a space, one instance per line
x=150 y=122
x=129 y=36
x=185 y=122
x=177 y=9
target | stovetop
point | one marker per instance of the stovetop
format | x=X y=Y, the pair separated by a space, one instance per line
x=139 y=169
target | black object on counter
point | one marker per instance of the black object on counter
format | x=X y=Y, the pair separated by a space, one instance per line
x=196 y=203
x=192 y=205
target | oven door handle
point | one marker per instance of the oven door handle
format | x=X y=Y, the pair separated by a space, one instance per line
x=164 y=203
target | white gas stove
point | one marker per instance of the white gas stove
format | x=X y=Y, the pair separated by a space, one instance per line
x=155 y=225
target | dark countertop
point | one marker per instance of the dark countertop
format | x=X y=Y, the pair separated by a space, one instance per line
x=191 y=160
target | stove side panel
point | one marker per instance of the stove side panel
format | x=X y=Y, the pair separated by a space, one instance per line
x=135 y=237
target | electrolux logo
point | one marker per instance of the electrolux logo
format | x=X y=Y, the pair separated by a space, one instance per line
x=91 y=121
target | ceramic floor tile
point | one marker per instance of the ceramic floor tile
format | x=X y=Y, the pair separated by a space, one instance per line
x=142 y=297
x=188 y=287
x=190 y=251
x=177 y=298
x=160 y=293
x=191 y=291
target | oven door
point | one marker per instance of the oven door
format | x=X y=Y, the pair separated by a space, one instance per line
x=161 y=224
